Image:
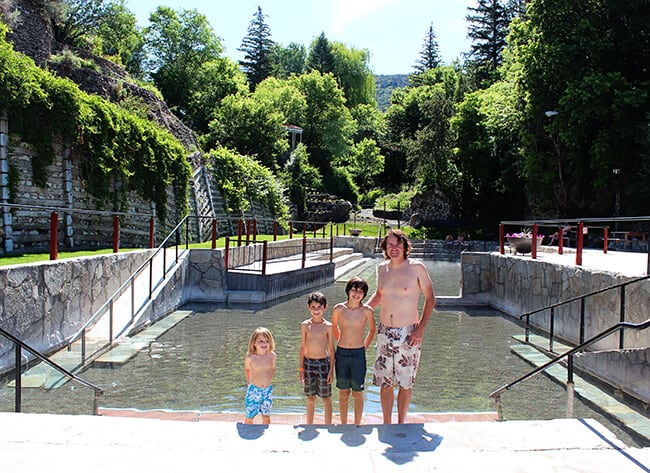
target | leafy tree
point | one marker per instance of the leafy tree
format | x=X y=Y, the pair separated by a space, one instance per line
x=430 y=54
x=352 y=70
x=594 y=75
x=371 y=122
x=74 y=20
x=320 y=57
x=365 y=163
x=258 y=49
x=300 y=178
x=178 y=44
x=285 y=97
x=250 y=127
x=289 y=60
x=488 y=28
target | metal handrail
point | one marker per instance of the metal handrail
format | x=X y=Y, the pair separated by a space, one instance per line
x=496 y=395
x=581 y=298
x=22 y=345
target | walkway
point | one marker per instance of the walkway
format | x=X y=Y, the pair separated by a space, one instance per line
x=44 y=442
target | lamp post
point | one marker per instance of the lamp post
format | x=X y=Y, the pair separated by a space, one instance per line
x=617 y=203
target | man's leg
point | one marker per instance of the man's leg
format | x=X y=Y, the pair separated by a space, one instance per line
x=403 y=401
x=387 y=396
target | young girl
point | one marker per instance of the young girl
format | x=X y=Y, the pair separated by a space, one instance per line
x=259 y=368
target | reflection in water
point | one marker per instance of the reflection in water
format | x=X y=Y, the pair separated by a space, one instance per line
x=198 y=365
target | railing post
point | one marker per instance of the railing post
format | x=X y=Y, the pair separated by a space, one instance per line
x=248 y=232
x=499 y=408
x=605 y=238
x=621 y=315
x=226 y=253
x=560 y=242
x=570 y=388
x=331 y=248
x=151 y=233
x=275 y=230
x=18 y=400
x=579 y=238
x=116 y=234
x=214 y=233
x=290 y=230
x=502 y=246
x=54 y=236
x=304 y=251
x=314 y=227
x=264 y=256
x=533 y=251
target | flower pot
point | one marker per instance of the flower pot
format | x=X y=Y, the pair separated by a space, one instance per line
x=523 y=244
x=355 y=231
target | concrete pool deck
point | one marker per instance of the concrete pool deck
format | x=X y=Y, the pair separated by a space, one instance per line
x=46 y=442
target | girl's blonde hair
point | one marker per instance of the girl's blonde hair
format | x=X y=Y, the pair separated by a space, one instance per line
x=260 y=331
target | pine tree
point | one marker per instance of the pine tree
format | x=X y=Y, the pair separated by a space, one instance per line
x=320 y=56
x=429 y=56
x=257 y=47
x=488 y=28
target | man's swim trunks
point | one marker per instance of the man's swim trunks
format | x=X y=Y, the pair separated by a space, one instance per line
x=316 y=372
x=350 y=368
x=397 y=360
x=258 y=400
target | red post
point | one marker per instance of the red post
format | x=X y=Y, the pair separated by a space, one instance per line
x=151 y=233
x=54 y=236
x=502 y=246
x=304 y=250
x=579 y=238
x=248 y=232
x=290 y=229
x=314 y=226
x=275 y=230
x=214 y=233
x=533 y=251
x=116 y=234
x=226 y=253
x=605 y=238
x=560 y=243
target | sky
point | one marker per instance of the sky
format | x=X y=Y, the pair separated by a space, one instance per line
x=393 y=31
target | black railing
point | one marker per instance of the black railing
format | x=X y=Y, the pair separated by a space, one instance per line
x=19 y=347
x=496 y=395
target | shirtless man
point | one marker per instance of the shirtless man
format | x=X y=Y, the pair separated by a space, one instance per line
x=350 y=320
x=400 y=281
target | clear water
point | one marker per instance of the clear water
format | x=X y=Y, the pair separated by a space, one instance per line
x=198 y=365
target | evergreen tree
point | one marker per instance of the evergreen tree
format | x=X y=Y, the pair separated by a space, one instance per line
x=430 y=55
x=320 y=56
x=488 y=28
x=258 y=48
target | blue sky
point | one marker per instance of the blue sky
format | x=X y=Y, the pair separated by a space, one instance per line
x=392 y=30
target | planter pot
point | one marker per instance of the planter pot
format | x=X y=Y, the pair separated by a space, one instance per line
x=355 y=231
x=522 y=245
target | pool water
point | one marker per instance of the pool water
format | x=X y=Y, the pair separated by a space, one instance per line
x=198 y=365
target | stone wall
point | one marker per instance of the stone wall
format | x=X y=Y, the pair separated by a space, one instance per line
x=45 y=304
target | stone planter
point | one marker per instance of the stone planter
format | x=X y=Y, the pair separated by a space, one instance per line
x=522 y=245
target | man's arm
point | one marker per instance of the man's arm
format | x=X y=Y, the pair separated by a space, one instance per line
x=426 y=286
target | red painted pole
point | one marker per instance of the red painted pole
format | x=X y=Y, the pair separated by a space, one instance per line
x=533 y=251
x=579 y=238
x=560 y=243
x=502 y=246
x=226 y=253
x=275 y=230
x=151 y=233
x=54 y=236
x=605 y=238
x=214 y=233
x=116 y=234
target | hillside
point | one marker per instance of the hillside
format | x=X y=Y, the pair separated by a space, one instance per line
x=385 y=86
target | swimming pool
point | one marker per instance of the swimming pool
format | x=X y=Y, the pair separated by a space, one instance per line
x=198 y=365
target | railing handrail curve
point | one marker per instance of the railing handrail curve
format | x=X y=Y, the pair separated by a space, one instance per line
x=558 y=358
x=584 y=296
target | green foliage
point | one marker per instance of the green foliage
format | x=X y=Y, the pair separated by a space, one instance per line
x=257 y=47
x=70 y=59
x=385 y=84
x=339 y=181
x=364 y=163
x=353 y=74
x=300 y=178
x=116 y=146
x=430 y=54
x=401 y=200
x=288 y=60
x=242 y=179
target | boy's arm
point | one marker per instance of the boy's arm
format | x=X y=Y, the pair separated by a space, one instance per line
x=336 y=313
x=330 y=351
x=372 y=326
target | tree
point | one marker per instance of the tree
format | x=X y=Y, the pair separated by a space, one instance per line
x=121 y=38
x=289 y=60
x=430 y=54
x=300 y=178
x=258 y=49
x=488 y=28
x=320 y=56
x=74 y=20
x=178 y=44
x=353 y=74
x=365 y=163
x=593 y=74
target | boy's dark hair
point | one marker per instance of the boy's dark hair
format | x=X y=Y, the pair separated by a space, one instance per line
x=401 y=237
x=357 y=283
x=317 y=297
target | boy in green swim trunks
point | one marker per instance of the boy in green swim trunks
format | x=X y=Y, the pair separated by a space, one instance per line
x=316 y=351
x=350 y=319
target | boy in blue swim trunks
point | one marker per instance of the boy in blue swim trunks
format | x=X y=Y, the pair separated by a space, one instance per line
x=349 y=320
x=259 y=368
x=316 y=349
